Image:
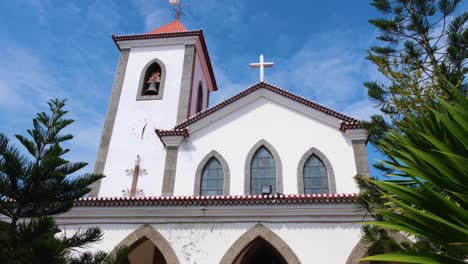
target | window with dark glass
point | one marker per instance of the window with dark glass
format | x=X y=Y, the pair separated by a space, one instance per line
x=200 y=97
x=262 y=171
x=212 y=178
x=315 y=176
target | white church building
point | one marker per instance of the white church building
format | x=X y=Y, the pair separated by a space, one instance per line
x=265 y=176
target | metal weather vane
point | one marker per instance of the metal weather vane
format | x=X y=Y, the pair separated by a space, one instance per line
x=177 y=7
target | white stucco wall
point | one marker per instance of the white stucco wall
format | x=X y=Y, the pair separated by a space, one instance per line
x=198 y=76
x=126 y=142
x=291 y=133
x=328 y=243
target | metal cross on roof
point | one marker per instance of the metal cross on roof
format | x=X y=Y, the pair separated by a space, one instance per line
x=262 y=65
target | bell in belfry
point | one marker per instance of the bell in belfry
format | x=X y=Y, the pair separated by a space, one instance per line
x=153 y=81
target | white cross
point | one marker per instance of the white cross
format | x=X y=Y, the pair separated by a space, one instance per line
x=262 y=66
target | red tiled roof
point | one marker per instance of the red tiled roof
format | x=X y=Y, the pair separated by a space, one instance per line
x=165 y=133
x=218 y=200
x=161 y=35
x=169 y=133
x=174 y=26
x=262 y=85
x=350 y=125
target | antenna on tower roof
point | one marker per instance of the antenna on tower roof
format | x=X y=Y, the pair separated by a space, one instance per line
x=177 y=7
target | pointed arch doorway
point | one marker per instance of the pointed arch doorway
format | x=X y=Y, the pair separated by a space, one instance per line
x=145 y=252
x=257 y=246
x=259 y=251
x=147 y=246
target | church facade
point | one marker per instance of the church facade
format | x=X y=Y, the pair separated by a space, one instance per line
x=265 y=176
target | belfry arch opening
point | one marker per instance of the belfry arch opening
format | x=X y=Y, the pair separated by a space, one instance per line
x=259 y=251
x=144 y=251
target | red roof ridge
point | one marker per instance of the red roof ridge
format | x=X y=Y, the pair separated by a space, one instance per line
x=174 y=26
x=327 y=110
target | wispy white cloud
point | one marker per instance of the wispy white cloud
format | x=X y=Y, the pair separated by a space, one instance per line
x=154 y=13
x=26 y=85
x=325 y=68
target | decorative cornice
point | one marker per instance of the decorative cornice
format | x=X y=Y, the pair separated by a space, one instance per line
x=350 y=125
x=357 y=133
x=171 y=138
x=231 y=200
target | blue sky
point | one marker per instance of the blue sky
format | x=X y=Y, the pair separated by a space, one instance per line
x=63 y=49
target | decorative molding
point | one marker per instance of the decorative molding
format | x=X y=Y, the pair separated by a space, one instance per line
x=110 y=120
x=233 y=211
x=148 y=232
x=262 y=232
x=278 y=165
x=141 y=84
x=357 y=134
x=201 y=165
x=172 y=141
x=326 y=162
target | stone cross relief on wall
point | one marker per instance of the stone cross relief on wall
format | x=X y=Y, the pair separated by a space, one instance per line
x=135 y=172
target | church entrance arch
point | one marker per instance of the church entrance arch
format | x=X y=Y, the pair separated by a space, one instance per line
x=259 y=245
x=148 y=246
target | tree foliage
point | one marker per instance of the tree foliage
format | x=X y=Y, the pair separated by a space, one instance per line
x=424 y=43
x=432 y=152
x=37 y=185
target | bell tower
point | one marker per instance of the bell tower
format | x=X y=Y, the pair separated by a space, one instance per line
x=162 y=78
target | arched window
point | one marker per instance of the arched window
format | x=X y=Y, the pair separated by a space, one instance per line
x=315 y=176
x=262 y=171
x=200 y=97
x=212 y=178
x=152 y=81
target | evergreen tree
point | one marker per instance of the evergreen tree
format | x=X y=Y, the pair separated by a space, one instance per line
x=432 y=206
x=424 y=52
x=37 y=185
x=424 y=44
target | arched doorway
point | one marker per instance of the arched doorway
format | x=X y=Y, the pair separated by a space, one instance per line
x=145 y=252
x=259 y=245
x=148 y=246
x=260 y=251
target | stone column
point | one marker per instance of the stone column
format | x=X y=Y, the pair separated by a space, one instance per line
x=360 y=157
x=170 y=166
x=358 y=138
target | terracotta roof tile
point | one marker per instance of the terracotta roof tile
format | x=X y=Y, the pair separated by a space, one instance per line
x=174 y=26
x=278 y=199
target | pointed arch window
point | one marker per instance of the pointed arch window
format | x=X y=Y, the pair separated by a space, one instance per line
x=152 y=79
x=315 y=176
x=212 y=178
x=262 y=171
x=200 y=97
